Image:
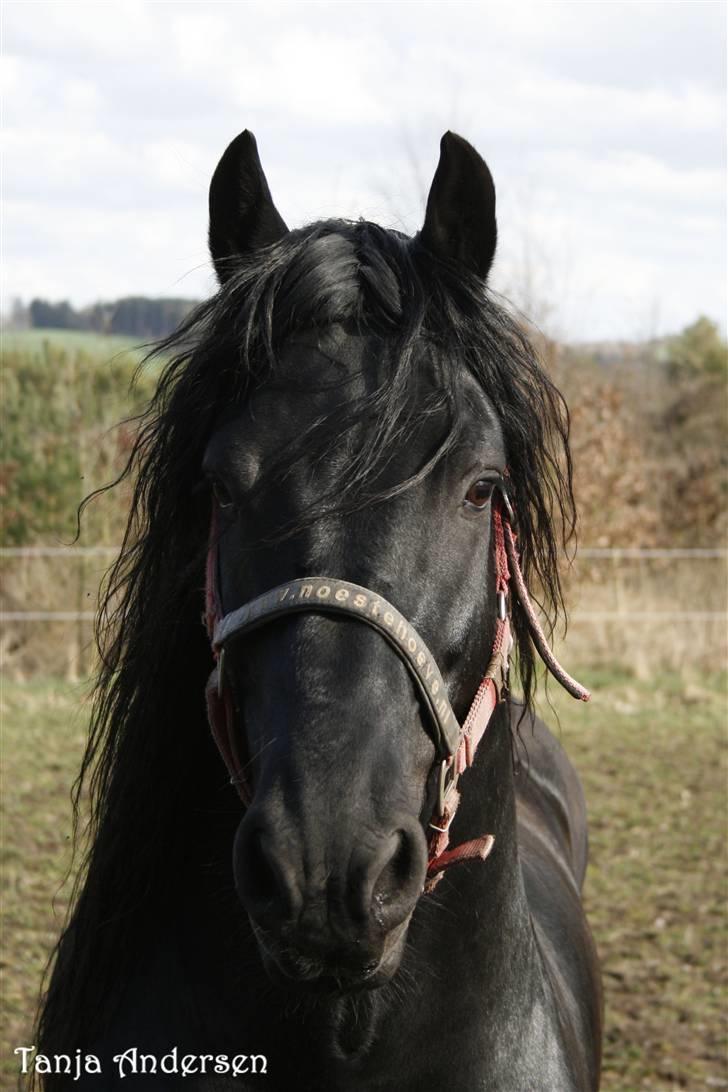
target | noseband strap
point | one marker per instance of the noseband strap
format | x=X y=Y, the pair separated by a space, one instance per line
x=330 y=596
x=455 y=746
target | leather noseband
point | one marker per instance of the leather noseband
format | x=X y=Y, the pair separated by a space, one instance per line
x=323 y=593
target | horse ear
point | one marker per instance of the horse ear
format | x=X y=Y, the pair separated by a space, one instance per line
x=243 y=217
x=460 y=218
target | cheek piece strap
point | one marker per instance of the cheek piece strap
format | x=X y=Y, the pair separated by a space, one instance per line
x=455 y=744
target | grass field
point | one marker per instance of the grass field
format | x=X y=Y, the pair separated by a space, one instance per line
x=96 y=345
x=652 y=757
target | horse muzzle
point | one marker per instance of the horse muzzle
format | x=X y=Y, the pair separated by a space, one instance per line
x=334 y=970
x=340 y=924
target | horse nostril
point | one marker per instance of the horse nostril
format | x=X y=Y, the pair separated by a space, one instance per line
x=261 y=881
x=400 y=880
x=263 y=877
x=397 y=868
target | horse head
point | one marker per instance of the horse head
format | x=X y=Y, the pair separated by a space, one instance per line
x=363 y=453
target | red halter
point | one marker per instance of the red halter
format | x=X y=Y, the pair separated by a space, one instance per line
x=456 y=746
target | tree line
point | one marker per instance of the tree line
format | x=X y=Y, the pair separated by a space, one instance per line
x=133 y=316
x=648 y=438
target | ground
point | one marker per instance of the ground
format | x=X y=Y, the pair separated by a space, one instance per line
x=652 y=756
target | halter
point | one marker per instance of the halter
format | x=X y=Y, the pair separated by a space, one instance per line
x=455 y=745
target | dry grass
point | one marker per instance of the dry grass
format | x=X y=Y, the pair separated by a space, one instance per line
x=640 y=615
x=648 y=615
x=43 y=734
x=46 y=647
x=652 y=758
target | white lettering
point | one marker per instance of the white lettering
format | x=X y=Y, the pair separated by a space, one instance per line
x=388 y=618
x=420 y=659
x=25 y=1051
x=435 y=686
x=360 y=600
x=128 y=1057
x=324 y=591
x=342 y=594
x=189 y=1065
x=412 y=644
x=172 y=1059
x=305 y=592
x=132 y=1062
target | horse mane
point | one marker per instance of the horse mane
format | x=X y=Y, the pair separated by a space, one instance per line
x=150 y=769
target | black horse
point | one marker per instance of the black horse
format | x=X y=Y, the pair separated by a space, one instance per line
x=357 y=445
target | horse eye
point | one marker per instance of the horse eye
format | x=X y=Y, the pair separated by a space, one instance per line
x=221 y=494
x=479 y=494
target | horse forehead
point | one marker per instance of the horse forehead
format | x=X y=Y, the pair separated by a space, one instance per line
x=309 y=352
x=317 y=366
x=318 y=370
x=319 y=379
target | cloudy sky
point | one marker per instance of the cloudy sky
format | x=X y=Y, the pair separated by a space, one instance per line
x=603 y=125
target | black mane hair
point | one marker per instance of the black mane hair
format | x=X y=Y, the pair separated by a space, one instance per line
x=150 y=768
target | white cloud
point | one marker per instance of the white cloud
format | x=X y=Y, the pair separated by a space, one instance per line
x=603 y=124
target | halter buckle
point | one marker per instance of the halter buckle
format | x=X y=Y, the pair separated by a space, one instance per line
x=443 y=788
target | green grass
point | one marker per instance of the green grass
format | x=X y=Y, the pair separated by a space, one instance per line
x=97 y=345
x=652 y=759
x=43 y=732
x=64 y=435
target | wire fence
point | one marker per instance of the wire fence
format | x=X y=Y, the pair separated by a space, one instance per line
x=612 y=554
x=626 y=604
x=584 y=551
